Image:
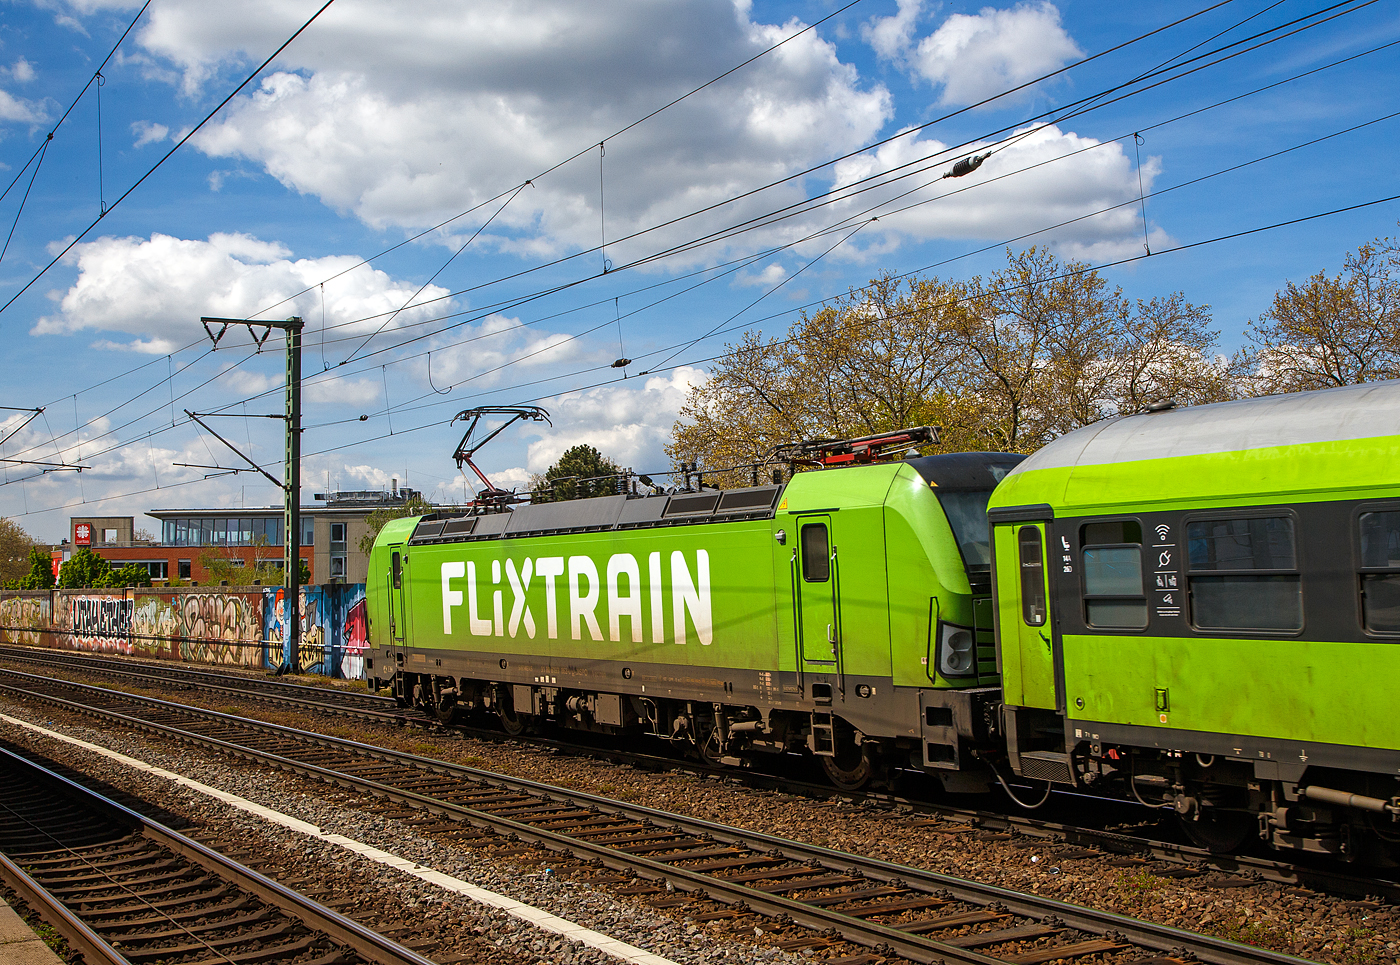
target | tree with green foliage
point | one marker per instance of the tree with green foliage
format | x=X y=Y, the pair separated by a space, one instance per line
x=40 y=575
x=582 y=471
x=15 y=544
x=88 y=570
x=265 y=571
x=414 y=505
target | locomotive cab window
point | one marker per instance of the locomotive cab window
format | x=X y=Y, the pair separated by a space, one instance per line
x=1243 y=574
x=397 y=573
x=1032 y=576
x=816 y=559
x=1380 y=571
x=1112 y=572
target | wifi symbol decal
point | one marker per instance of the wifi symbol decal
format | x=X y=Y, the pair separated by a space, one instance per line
x=1163 y=530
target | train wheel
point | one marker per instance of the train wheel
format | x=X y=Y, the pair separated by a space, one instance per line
x=850 y=770
x=510 y=720
x=447 y=713
x=1219 y=832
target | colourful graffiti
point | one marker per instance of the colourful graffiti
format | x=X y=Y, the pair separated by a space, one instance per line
x=354 y=636
x=333 y=638
x=242 y=628
x=99 y=623
x=221 y=628
x=24 y=618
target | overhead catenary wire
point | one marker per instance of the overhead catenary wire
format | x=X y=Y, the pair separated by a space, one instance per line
x=799 y=207
x=701 y=87
x=1122 y=137
x=178 y=144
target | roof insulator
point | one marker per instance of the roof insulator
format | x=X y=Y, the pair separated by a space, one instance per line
x=1162 y=405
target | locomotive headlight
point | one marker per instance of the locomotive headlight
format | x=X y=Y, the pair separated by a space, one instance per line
x=957 y=652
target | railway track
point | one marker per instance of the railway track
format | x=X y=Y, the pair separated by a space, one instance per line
x=125 y=890
x=244 y=686
x=898 y=910
x=1190 y=861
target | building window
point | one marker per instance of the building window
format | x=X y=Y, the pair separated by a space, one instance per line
x=308 y=531
x=109 y=536
x=337 y=536
x=338 y=567
x=1113 y=591
x=1244 y=574
x=184 y=570
x=1380 y=571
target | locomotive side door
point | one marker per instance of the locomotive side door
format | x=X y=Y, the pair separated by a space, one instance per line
x=397 y=618
x=815 y=588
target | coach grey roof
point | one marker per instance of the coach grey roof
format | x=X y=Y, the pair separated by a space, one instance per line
x=1351 y=412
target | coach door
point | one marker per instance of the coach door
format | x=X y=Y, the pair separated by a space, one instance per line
x=815 y=586
x=1025 y=638
x=397 y=620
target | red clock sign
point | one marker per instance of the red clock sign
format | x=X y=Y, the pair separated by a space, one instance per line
x=82 y=534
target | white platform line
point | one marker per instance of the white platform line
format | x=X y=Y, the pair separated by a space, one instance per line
x=518 y=909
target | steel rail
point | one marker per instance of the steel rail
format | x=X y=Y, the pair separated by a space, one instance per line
x=249 y=688
x=341 y=930
x=1160 y=938
x=1265 y=869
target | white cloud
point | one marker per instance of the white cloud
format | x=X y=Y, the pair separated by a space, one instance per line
x=767 y=278
x=404 y=113
x=628 y=424
x=1098 y=175
x=148 y=133
x=158 y=288
x=22 y=71
x=20 y=111
x=891 y=37
x=973 y=56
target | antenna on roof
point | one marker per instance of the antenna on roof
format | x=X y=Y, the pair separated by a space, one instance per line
x=490 y=495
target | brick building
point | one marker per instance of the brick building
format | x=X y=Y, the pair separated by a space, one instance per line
x=329 y=538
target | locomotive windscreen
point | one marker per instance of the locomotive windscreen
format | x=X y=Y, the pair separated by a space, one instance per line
x=963 y=482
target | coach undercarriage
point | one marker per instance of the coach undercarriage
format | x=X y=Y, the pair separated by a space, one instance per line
x=1224 y=803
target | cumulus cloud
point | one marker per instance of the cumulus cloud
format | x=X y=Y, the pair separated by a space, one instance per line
x=1082 y=176
x=22 y=71
x=628 y=424
x=891 y=37
x=20 y=111
x=973 y=56
x=405 y=113
x=148 y=133
x=158 y=288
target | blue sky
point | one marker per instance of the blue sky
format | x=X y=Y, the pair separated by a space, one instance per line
x=382 y=121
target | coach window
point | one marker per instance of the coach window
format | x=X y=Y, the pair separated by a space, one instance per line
x=816 y=560
x=1113 y=591
x=1243 y=574
x=1380 y=571
x=1032 y=576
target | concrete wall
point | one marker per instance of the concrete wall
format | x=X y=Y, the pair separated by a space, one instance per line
x=231 y=626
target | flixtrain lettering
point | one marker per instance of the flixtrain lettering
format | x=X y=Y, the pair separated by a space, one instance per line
x=611 y=602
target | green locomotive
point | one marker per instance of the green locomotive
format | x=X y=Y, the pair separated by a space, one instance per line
x=847 y=611
x=1200 y=608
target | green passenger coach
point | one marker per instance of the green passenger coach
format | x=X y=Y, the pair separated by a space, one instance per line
x=1200 y=607
x=847 y=612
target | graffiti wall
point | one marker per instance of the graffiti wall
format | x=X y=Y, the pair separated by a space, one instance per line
x=229 y=627
x=333 y=625
x=91 y=620
x=24 y=617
